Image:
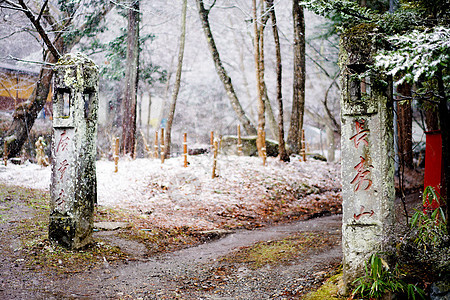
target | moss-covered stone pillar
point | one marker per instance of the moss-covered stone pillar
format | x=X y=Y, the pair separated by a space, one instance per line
x=367 y=152
x=74 y=184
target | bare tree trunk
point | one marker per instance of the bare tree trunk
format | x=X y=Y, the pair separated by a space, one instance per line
x=259 y=63
x=271 y=121
x=131 y=81
x=281 y=145
x=404 y=125
x=176 y=87
x=431 y=116
x=298 y=99
x=226 y=80
x=139 y=119
x=164 y=105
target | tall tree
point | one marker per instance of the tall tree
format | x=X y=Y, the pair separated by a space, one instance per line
x=66 y=37
x=404 y=127
x=131 y=81
x=226 y=80
x=298 y=93
x=281 y=145
x=176 y=87
x=258 y=46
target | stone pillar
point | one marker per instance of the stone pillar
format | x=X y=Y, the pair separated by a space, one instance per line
x=367 y=154
x=74 y=183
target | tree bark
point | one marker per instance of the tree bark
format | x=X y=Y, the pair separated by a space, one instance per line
x=404 y=126
x=131 y=81
x=431 y=116
x=226 y=80
x=298 y=99
x=259 y=64
x=176 y=87
x=281 y=145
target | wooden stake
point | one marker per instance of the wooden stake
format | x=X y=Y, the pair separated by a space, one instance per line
x=116 y=156
x=263 y=149
x=303 y=150
x=239 y=145
x=185 y=150
x=163 y=154
x=156 y=153
x=216 y=146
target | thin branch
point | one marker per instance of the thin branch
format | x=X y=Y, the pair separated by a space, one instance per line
x=212 y=5
x=29 y=61
x=40 y=29
x=42 y=10
x=318 y=65
x=14 y=5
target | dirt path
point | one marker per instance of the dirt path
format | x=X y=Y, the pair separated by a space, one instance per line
x=200 y=272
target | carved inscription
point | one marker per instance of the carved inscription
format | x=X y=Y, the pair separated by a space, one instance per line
x=63 y=142
x=361 y=181
x=362 y=171
x=361 y=133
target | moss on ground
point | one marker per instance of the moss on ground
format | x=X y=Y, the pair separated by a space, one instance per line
x=28 y=227
x=329 y=290
x=279 y=251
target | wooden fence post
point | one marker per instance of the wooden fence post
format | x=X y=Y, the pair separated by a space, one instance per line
x=303 y=151
x=216 y=146
x=163 y=154
x=185 y=150
x=116 y=156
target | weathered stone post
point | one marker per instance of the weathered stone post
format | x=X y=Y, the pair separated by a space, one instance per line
x=74 y=183
x=367 y=153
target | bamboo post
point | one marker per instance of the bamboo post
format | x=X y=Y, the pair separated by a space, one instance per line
x=303 y=151
x=5 y=153
x=239 y=144
x=185 y=150
x=116 y=156
x=263 y=149
x=216 y=146
x=163 y=154
x=156 y=154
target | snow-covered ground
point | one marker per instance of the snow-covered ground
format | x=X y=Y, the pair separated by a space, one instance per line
x=169 y=194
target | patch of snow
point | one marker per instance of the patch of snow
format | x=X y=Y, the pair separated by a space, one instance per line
x=172 y=195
